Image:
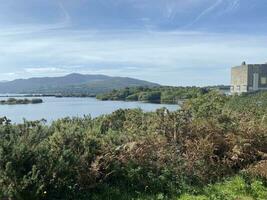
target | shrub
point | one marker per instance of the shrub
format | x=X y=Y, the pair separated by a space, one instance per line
x=149 y=155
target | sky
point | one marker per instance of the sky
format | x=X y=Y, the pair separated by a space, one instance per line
x=171 y=42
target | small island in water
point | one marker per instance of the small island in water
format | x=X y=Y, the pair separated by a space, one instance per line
x=14 y=101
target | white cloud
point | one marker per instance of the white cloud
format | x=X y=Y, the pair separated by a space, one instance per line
x=206 y=11
x=44 y=70
x=9 y=74
x=147 y=55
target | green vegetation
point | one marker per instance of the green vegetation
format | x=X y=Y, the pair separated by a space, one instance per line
x=237 y=188
x=164 y=94
x=255 y=103
x=130 y=154
x=13 y=101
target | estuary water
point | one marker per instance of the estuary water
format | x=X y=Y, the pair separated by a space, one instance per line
x=54 y=108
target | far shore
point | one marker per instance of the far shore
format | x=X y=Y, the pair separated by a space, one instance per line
x=14 y=101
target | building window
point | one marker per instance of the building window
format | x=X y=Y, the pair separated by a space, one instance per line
x=263 y=80
x=238 y=88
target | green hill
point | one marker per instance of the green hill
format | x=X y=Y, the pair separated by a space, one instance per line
x=71 y=84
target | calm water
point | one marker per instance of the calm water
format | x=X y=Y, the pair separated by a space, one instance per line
x=55 y=108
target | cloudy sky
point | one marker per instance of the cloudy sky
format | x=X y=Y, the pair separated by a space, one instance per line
x=173 y=42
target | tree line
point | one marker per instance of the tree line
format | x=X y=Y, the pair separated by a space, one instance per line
x=162 y=94
x=14 y=101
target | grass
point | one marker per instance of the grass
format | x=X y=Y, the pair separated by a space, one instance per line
x=237 y=188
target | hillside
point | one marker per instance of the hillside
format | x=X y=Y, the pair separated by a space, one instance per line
x=71 y=84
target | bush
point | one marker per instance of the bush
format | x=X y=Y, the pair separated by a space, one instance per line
x=133 y=97
x=153 y=97
x=141 y=155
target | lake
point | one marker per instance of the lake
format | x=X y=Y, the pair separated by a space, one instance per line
x=55 y=108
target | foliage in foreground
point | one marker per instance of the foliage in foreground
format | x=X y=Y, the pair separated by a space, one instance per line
x=237 y=188
x=136 y=153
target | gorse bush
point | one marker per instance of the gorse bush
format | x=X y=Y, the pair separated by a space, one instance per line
x=134 y=154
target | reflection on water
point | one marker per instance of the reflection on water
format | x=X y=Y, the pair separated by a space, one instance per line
x=55 y=108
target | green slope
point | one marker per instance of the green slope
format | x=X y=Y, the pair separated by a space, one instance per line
x=71 y=84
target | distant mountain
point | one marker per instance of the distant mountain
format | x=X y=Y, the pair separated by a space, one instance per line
x=71 y=84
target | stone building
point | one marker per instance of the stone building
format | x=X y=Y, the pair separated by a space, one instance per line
x=248 y=78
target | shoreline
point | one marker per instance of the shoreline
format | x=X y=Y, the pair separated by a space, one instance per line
x=179 y=102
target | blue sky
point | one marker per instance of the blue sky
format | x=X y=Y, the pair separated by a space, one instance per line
x=172 y=42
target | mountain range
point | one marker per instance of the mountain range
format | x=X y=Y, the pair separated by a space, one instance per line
x=71 y=84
